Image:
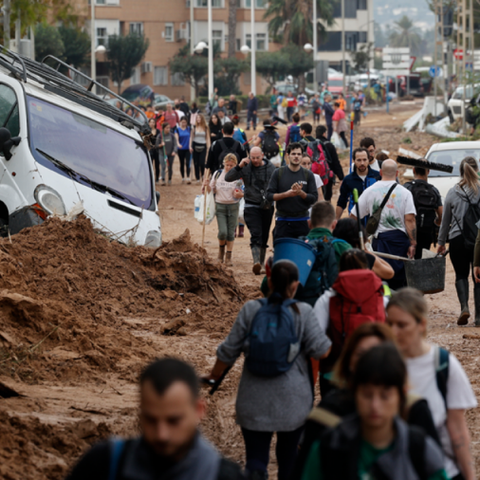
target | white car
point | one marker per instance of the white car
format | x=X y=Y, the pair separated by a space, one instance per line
x=64 y=149
x=450 y=153
x=454 y=105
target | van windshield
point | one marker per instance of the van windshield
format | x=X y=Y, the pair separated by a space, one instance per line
x=453 y=158
x=98 y=154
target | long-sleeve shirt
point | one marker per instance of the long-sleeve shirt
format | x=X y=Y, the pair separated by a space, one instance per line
x=352 y=181
x=282 y=181
x=252 y=104
x=332 y=157
x=328 y=109
x=170 y=144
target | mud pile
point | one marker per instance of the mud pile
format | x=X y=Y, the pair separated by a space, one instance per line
x=68 y=290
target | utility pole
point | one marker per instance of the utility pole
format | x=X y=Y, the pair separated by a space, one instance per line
x=211 y=93
x=192 y=89
x=7 y=10
x=253 y=46
x=315 y=45
x=435 y=56
x=93 y=60
x=343 y=47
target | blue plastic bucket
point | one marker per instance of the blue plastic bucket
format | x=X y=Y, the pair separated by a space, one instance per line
x=299 y=252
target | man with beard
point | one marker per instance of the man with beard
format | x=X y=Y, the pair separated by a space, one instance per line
x=362 y=177
x=369 y=145
x=170 y=446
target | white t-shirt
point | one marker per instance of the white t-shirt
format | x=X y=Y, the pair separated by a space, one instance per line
x=460 y=396
x=399 y=204
x=375 y=166
x=318 y=180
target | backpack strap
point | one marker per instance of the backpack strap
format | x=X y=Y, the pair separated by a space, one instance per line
x=229 y=470
x=442 y=361
x=416 y=451
x=117 y=446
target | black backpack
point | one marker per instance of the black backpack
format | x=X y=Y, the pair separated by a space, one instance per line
x=470 y=220
x=226 y=150
x=269 y=145
x=426 y=200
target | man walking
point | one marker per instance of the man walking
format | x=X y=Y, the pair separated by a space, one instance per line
x=252 y=108
x=170 y=445
x=428 y=203
x=222 y=147
x=291 y=106
x=397 y=229
x=294 y=190
x=256 y=172
x=369 y=145
x=332 y=159
x=329 y=112
x=361 y=178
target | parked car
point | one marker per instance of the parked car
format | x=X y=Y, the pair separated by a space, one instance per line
x=454 y=105
x=141 y=95
x=335 y=85
x=64 y=147
x=161 y=101
x=450 y=153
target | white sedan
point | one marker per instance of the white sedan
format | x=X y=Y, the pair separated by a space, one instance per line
x=450 y=153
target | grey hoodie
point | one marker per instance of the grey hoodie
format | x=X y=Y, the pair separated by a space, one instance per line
x=455 y=208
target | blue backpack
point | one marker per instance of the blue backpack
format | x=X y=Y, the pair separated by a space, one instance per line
x=273 y=342
x=238 y=136
x=294 y=134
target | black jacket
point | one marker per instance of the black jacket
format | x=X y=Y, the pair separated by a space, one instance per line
x=213 y=162
x=255 y=179
x=332 y=157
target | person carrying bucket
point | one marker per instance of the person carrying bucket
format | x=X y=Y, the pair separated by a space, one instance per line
x=394 y=226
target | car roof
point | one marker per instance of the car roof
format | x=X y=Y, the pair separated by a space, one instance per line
x=441 y=147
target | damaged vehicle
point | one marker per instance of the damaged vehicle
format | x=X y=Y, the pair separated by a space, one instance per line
x=64 y=150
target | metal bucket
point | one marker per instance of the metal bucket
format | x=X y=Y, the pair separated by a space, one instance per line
x=426 y=275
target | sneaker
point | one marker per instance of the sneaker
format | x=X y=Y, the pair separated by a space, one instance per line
x=163 y=183
x=188 y=181
x=183 y=180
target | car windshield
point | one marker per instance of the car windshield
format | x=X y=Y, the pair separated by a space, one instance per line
x=458 y=94
x=98 y=155
x=453 y=158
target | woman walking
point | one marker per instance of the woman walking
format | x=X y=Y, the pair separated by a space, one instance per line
x=458 y=226
x=436 y=375
x=167 y=147
x=279 y=402
x=183 y=134
x=227 y=198
x=339 y=123
x=154 y=150
x=215 y=128
x=198 y=145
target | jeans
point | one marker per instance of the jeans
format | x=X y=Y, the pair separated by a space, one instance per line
x=227 y=219
x=164 y=164
x=328 y=189
x=251 y=117
x=295 y=229
x=258 y=222
x=184 y=157
x=329 y=131
x=154 y=155
x=257 y=449
x=199 y=160
x=290 y=112
x=461 y=257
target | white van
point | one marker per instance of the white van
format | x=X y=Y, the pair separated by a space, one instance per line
x=454 y=105
x=69 y=148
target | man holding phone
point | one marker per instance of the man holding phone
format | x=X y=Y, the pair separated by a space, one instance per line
x=256 y=172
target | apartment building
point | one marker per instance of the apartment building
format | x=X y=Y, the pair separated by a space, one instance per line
x=167 y=26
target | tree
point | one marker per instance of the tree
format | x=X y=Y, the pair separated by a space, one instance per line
x=232 y=27
x=227 y=78
x=193 y=68
x=290 y=21
x=405 y=35
x=362 y=57
x=48 y=41
x=272 y=66
x=299 y=63
x=77 y=45
x=124 y=53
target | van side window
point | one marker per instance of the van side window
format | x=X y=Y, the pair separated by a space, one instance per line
x=9 y=117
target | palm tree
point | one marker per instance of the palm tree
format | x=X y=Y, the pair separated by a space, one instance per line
x=290 y=21
x=232 y=23
x=405 y=35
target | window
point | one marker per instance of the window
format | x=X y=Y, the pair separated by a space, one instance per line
x=217 y=36
x=361 y=4
x=102 y=36
x=169 y=32
x=100 y=2
x=258 y=3
x=177 y=80
x=9 y=110
x=261 y=41
x=160 y=76
x=135 y=78
x=137 y=28
x=362 y=37
x=350 y=9
x=215 y=3
x=238 y=45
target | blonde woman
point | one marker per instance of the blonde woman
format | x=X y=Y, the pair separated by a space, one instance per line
x=199 y=145
x=436 y=375
x=459 y=227
x=227 y=198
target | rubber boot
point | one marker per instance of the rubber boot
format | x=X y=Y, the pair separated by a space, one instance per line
x=263 y=253
x=221 y=253
x=257 y=266
x=476 y=294
x=462 y=293
x=228 y=259
x=241 y=231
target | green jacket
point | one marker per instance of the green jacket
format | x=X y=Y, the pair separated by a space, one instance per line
x=339 y=247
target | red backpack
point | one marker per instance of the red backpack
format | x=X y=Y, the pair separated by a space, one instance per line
x=320 y=164
x=358 y=300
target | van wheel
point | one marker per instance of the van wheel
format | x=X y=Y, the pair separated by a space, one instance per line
x=3 y=228
x=450 y=117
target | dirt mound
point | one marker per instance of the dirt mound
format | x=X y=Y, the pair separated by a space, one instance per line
x=70 y=299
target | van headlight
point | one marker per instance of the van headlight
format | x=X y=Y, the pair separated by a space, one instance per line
x=154 y=239
x=50 y=200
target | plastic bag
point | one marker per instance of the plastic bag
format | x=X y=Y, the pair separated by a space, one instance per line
x=337 y=141
x=211 y=208
x=241 y=210
x=200 y=208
